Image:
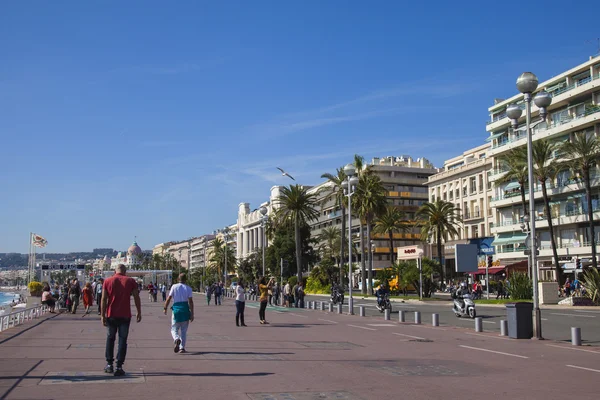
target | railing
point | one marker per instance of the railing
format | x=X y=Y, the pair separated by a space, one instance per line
x=549 y=186
x=16 y=318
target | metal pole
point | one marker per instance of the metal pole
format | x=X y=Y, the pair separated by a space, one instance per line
x=349 y=246
x=263 y=246
x=420 y=261
x=487 y=279
x=225 y=269
x=281 y=279
x=537 y=318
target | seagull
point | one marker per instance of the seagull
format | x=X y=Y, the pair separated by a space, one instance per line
x=286 y=174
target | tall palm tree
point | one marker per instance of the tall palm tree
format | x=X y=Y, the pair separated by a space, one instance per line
x=371 y=203
x=296 y=206
x=583 y=154
x=329 y=240
x=391 y=221
x=516 y=163
x=545 y=169
x=438 y=219
x=219 y=254
x=359 y=165
x=337 y=193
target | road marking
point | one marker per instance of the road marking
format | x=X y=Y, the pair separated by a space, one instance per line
x=487 y=336
x=381 y=324
x=544 y=319
x=327 y=320
x=472 y=321
x=298 y=315
x=575 y=315
x=492 y=351
x=409 y=336
x=573 y=348
x=588 y=311
x=362 y=327
x=587 y=369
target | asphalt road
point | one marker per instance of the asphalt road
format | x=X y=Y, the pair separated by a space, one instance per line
x=556 y=322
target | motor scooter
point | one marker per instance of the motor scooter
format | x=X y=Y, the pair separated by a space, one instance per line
x=384 y=303
x=466 y=310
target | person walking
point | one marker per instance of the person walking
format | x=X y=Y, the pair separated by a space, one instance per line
x=300 y=295
x=240 y=303
x=182 y=312
x=116 y=315
x=163 y=291
x=500 y=290
x=217 y=293
x=74 y=294
x=99 y=294
x=208 y=294
x=88 y=297
x=295 y=294
x=286 y=295
x=263 y=288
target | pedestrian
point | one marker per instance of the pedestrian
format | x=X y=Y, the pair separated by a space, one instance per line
x=276 y=293
x=150 y=292
x=295 y=294
x=217 y=293
x=74 y=294
x=240 y=303
x=286 y=294
x=88 y=297
x=208 y=294
x=163 y=291
x=271 y=296
x=116 y=315
x=48 y=299
x=500 y=289
x=182 y=312
x=300 y=295
x=263 y=288
x=99 y=294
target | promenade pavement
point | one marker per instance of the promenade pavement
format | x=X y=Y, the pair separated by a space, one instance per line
x=302 y=354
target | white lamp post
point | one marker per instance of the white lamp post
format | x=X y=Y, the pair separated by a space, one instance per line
x=349 y=186
x=527 y=83
x=263 y=223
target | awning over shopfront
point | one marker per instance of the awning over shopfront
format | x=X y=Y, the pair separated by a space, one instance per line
x=491 y=271
x=510 y=238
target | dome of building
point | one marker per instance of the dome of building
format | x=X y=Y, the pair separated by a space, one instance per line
x=107 y=260
x=134 y=249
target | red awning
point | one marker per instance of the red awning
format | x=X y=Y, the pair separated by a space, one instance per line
x=493 y=270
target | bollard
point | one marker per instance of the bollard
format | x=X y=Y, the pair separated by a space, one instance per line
x=435 y=319
x=313 y=305
x=361 y=311
x=576 y=336
x=417 y=317
x=310 y=305
x=322 y=306
x=351 y=306
x=478 y=324
x=401 y=316
x=503 y=327
x=330 y=307
x=339 y=308
x=386 y=314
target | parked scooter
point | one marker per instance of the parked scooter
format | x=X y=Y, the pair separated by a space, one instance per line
x=384 y=303
x=466 y=308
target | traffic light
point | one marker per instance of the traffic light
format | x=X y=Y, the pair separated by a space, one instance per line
x=578 y=263
x=490 y=260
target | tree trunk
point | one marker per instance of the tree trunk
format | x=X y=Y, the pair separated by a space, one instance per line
x=588 y=194
x=370 y=275
x=363 y=272
x=342 y=246
x=525 y=212
x=557 y=268
x=439 y=251
x=298 y=249
x=391 y=248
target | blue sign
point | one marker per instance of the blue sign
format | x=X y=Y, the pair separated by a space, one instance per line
x=484 y=246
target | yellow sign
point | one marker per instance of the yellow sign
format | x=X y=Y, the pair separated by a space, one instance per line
x=405 y=194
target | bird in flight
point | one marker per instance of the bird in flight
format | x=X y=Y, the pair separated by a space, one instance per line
x=286 y=174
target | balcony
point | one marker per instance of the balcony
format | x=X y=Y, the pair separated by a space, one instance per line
x=334 y=214
x=471 y=215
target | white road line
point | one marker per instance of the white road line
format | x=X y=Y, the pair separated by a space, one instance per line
x=587 y=369
x=409 y=336
x=544 y=319
x=487 y=336
x=588 y=311
x=574 y=315
x=381 y=324
x=473 y=321
x=362 y=327
x=298 y=315
x=492 y=351
x=327 y=320
x=573 y=348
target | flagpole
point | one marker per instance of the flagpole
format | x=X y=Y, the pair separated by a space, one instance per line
x=29 y=257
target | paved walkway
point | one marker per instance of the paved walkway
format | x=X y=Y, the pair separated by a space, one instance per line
x=303 y=354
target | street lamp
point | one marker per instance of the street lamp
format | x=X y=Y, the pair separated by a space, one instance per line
x=370 y=277
x=527 y=83
x=263 y=223
x=349 y=186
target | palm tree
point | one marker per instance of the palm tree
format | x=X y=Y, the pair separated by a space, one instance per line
x=516 y=163
x=438 y=219
x=371 y=203
x=337 y=193
x=391 y=221
x=583 y=155
x=217 y=259
x=296 y=206
x=329 y=239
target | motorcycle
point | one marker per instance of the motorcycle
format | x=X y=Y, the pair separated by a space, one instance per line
x=337 y=297
x=463 y=311
x=384 y=303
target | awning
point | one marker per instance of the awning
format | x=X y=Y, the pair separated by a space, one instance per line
x=510 y=238
x=576 y=196
x=491 y=271
x=494 y=136
x=555 y=87
x=512 y=186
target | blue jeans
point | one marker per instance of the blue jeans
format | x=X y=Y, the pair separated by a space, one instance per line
x=114 y=325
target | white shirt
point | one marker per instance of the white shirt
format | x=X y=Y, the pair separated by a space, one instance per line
x=286 y=289
x=180 y=292
x=239 y=293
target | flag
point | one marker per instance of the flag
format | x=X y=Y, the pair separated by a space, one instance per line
x=38 y=241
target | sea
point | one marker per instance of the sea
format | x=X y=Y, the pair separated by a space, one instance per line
x=6 y=298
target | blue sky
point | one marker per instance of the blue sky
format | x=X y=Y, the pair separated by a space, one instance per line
x=153 y=119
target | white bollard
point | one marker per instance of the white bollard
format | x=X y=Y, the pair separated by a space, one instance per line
x=401 y=316
x=330 y=307
x=417 y=317
x=351 y=306
x=339 y=308
x=478 y=324
x=503 y=327
x=435 y=319
x=386 y=314
x=322 y=306
x=362 y=310
x=576 y=336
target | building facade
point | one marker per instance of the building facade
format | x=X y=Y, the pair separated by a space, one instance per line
x=201 y=251
x=575 y=108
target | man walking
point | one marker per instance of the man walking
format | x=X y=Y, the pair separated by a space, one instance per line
x=98 y=295
x=74 y=294
x=183 y=312
x=116 y=315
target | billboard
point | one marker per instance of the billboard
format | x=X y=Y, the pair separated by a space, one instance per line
x=466 y=257
x=484 y=246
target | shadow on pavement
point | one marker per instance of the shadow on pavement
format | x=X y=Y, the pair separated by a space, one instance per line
x=199 y=353
x=17 y=334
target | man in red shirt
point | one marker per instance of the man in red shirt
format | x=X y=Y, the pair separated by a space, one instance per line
x=116 y=315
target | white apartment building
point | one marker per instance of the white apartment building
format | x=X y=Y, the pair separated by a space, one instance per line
x=201 y=250
x=575 y=108
x=181 y=251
